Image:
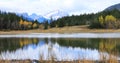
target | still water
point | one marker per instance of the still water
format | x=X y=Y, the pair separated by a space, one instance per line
x=59 y=48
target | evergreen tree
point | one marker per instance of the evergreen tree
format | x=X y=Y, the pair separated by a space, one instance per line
x=46 y=25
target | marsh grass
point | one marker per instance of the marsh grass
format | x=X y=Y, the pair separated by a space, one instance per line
x=104 y=59
x=111 y=58
x=51 y=61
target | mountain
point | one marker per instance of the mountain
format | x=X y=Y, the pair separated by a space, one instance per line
x=39 y=18
x=116 y=6
x=33 y=17
x=25 y=16
x=56 y=14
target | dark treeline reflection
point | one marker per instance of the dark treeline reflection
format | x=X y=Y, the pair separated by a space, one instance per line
x=102 y=44
x=12 y=44
x=105 y=45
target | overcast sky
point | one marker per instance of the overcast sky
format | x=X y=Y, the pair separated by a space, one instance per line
x=45 y=6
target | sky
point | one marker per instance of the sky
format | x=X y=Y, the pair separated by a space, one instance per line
x=43 y=7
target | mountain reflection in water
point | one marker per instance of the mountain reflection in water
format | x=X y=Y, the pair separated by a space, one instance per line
x=60 y=48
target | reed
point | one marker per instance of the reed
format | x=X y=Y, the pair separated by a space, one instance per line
x=41 y=58
x=104 y=59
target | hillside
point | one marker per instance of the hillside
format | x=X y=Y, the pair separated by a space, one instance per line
x=116 y=6
x=110 y=17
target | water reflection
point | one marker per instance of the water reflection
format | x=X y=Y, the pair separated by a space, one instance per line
x=60 y=49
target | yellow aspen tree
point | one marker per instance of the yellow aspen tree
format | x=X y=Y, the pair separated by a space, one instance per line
x=110 y=21
x=110 y=18
x=34 y=25
x=101 y=20
x=26 y=23
x=30 y=23
x=21 y=22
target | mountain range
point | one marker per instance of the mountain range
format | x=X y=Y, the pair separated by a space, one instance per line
x=56 y=14
x=47 y=17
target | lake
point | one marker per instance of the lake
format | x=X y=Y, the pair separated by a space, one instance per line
x=35 y=46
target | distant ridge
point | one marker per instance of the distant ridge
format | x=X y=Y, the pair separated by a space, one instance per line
x=113 y=7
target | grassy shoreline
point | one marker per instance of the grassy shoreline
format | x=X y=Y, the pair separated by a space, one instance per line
x=72 y=29
x=53 y=61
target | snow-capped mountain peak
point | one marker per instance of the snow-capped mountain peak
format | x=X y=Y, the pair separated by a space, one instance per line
x=56 y=14
x=34 y=16
x=51 y=15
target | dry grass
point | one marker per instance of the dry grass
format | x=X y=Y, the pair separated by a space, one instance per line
x=78 y=29
x=53 y=61
x=35 y=61
x=15 y=61
x=72 y=29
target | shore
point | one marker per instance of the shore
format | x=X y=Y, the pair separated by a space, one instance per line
x=72 y=29
x=53 y=61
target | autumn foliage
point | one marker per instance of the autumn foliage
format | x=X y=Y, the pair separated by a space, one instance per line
x=109 y=22
x=27 y=25
x=106 y=22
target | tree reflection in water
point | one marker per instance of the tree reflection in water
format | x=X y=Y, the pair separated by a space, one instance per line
x=57 y=48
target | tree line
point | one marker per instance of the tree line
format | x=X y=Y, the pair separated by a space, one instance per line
x=10 y=21
x=105 y=19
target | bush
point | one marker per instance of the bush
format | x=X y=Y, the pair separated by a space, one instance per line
x=109 y=22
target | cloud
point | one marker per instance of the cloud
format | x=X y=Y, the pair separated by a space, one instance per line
x=44 y=6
